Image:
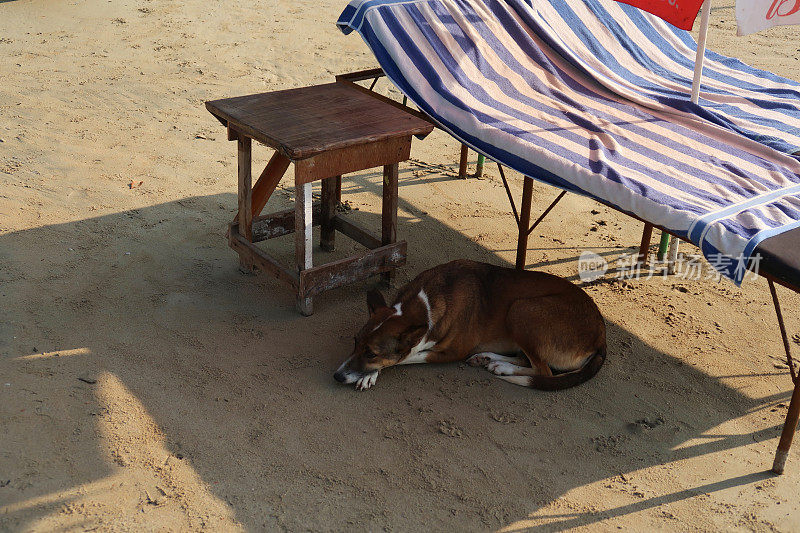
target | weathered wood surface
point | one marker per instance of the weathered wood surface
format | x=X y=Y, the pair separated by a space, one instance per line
x=266 y=183
x=361 y=75
x=260 y=259
x=303 y=242
x=352 y=159
x=331 y=275
x=356 y=233
x=327 y=131
x=280 y=223
x=302 y=227
x=307 y=121
x=245 y=197
x=268 y=180
x=401 y=106
x=327 y=239
x=389 y=210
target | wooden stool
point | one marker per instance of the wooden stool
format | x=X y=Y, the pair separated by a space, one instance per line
x=326 y=131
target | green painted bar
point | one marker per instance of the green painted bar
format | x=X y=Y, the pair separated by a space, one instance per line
x=663 y=245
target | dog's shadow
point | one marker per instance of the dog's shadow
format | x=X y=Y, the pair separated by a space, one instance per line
x=131 y=340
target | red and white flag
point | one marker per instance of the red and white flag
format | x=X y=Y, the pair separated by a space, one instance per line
x=680 y=14
x=757 y=15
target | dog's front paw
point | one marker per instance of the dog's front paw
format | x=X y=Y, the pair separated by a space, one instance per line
x=478 y=360
x=367 y=381
x=499 y=368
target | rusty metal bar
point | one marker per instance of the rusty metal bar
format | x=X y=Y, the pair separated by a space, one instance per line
x=508 y=192
x=547 y=211
x=524 y=220
x=784 y=336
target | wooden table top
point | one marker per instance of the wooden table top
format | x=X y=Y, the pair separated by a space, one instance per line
x=306 y=121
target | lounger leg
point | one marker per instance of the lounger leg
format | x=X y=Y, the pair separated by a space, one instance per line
x=663 y=245
x=644 y=247
x=789 y=427
x=462 y=164
x=244 y=145
x=328 y=234
x=524 y=223
x=672 y=257
x=303 y=241
x=389 y=211
x=793 y=415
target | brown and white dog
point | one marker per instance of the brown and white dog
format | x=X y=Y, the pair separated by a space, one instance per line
x=521 y=325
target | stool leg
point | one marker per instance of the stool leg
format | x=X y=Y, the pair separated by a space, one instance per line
x=329 y=201
x=244 y=145
x=303 y=242
x=389 y=211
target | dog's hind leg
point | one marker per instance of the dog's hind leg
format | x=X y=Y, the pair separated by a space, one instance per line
x=524 y=381
x=484 y=358
x=563 y=345
x=518 y=375
x=530 y=377
x=501 y=368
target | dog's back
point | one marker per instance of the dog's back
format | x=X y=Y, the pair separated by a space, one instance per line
x=482 y=307
x=522 y=326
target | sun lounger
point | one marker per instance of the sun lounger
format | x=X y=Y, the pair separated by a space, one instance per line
x=485 y=76
x=647 y=60
x=644 y=59
x=476 y=70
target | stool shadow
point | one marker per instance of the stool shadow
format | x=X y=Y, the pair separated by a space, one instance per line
x=241 y=388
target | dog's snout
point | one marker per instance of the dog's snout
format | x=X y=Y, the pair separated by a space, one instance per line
x=344 y=374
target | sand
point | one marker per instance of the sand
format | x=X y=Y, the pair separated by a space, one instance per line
x=146 y=384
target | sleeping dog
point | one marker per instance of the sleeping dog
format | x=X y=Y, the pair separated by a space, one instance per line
x=529 y=328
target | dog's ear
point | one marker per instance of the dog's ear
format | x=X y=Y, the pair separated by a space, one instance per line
x=375 y=301
x=411 y=337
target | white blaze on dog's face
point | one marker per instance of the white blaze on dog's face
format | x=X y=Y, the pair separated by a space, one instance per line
x=386 y=339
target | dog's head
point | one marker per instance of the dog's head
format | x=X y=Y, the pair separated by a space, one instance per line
x=385 y=340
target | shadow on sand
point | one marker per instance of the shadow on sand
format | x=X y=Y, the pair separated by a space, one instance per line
x=144 y=316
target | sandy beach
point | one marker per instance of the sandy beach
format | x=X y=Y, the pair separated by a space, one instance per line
x=147 y=384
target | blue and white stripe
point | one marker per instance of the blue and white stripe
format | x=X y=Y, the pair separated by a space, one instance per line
x=478 y=68
x=647 y=60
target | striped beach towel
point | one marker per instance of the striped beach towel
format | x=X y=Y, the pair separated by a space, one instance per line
x=480 y=71
x=647 y=60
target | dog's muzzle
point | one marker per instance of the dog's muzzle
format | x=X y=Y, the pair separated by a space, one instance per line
x=344 y=375
x=362 y=380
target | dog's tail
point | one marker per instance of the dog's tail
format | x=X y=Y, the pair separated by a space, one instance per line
x=571 y=378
